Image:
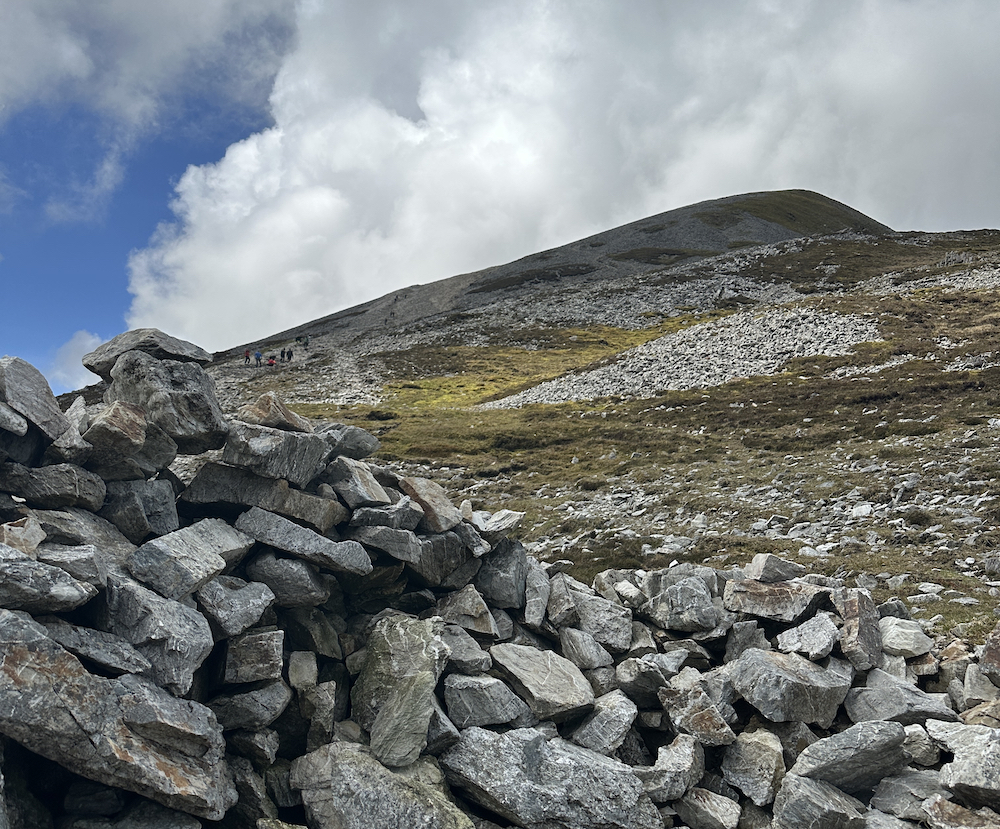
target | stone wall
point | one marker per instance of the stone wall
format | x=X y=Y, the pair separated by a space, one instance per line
x=300 y=636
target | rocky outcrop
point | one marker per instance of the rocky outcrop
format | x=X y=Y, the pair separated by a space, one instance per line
x=303 y=636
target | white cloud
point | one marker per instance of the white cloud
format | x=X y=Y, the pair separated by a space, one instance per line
x=415 y=141
x=66 y=371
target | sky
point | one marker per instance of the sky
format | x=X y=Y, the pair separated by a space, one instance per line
x=226 y=169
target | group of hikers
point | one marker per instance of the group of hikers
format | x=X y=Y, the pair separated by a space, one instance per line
x=272 y=360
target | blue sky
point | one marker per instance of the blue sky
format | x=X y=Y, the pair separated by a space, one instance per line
x=223 y=169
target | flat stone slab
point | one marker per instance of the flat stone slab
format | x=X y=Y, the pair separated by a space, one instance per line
x=54 y=487
x=789 y=602
x=278 y=532
x=884 y=697
x=27 y=392
x=37 y=587
x=151 y=341
x=856 y=758
x=276 y=453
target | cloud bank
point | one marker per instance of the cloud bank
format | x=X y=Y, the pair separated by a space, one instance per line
x=415 y=141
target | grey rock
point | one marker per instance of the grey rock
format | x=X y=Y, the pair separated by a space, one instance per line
x=482 y=700
x=11 y=421
x=978 y=688
x=53 y=487
x=322 y=706
x=140 y=815
x=351 y=442
x=269 y=410
x=605 y=728
x=561 y=607
x=692 y=711
x=786 y=687
x=354 y=483
x=814 y=638
x=345 y=787
x=903 y=795
x=972 y=772
x=70 y=447
x=684 y=606
x=742 y=637
x=943 y=814
x=704 y=809
x=310 y=628
x=580 y=648
x=126 y=513
x=553 y=687
x=260 y=747
x=253 y=803
x=303 y=671
x=608 y=622
x=857 y=758
x=441 y=732
x=402 y=545
x=501 y=524
x=179 y=563
x=175 y=638
x=989 y=660
x=294 y=583
x=232 y=605
x=534 y=782
x=901 y=637
x=74 y=526
x=466 y=656
x=178 y=397
x=440 y=514
x=124 y=733
x=217 y=483
x=788 y=602
x=503 y=574
x=254 y=656
x=886 y=698
x=803 y=802
x=254 y=708
x=24 y=534
x=445 y=562
x=399 y=732
x=860 y=637
x=641 y=680
x=156 y=499
x=678 y=767
x=754 y=764
x=398 y=647
x=769 y=568
x=275 y=453
x=111 y=652
x=468 y=610
x=25 y=390
x=28 y=450
x=83 y=562
x=157 y=453
x=536 y=595
x=278 y=532
x=920 y=746
x=473 y=541
x=117 y=432
x=37 y=587
x=405 y=514
x=151 y=341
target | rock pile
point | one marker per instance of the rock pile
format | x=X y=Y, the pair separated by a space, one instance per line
x=298 y=636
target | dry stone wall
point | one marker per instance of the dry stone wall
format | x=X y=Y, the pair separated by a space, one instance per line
x=301 y=637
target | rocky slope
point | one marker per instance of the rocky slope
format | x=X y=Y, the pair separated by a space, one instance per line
x=296 y=635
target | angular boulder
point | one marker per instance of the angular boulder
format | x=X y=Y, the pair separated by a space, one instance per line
x=553 y=687
x=150 y=341
x=275 y=453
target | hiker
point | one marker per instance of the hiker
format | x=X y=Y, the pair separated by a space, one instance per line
x=258 y=357
x=282 y=355
x=271 y=361
x=246 y=356
x=307 y=341
x=289 y=355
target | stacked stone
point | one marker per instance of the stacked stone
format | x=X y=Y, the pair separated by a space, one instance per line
x=299 y=636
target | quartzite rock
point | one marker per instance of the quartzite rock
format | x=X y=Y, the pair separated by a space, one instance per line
x=53 y=487
x=904 y=795
x=117 y=432
x=553 y=687
x=254 y=708
x=704 y=809
x=684 y=606
x=38 y=587
x=151 y=341
x=156 y=500
x=678 y=767
x=502 y=575
x=608 y=622
x=402 y=545
x=857 y=758
x=692 y=711
x=124 y=733
x=254 y=656
x=754 y=765
x=270 y=411
x=177 y=397
x=75 y=527
x=177 y=564
x=345 y=787
x=25 y=390
x=884 y=697
x=860 y=637
x=11 y=421
x=768 y=568
x=814 y=638
x=25 y=534
x=405 y=514
x=482 y=700
x=278 y=532
x=354 y=483
x=351 y=441
x=972 y=773
x=83 y=561
x=786 y=687
x=605 y=728
x=111 y=652
x=467 y=609
x=293 y=582
x=802 y=802
x=789 y=602
x=902 y=637
x=580 y=648
x=535 y=782
x=466 y=656
x=232 y=605
x=440 y=514
x=275 y=453
x=399 y=732
x=174 y=637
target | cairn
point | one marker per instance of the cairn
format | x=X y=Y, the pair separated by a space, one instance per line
x=298 y=636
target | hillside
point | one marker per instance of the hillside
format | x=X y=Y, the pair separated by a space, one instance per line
x=771 y=372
